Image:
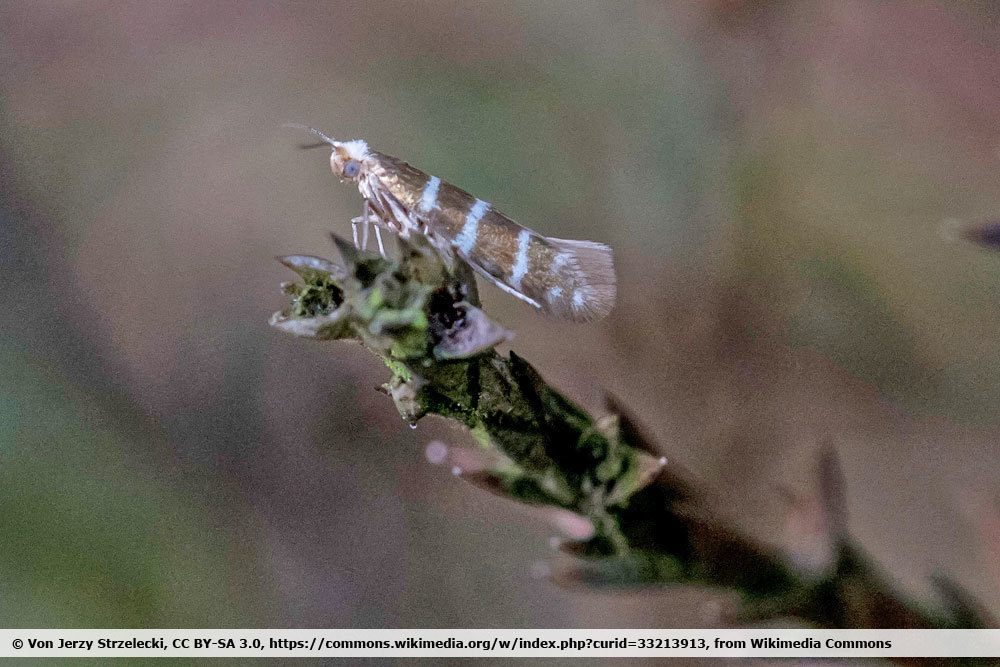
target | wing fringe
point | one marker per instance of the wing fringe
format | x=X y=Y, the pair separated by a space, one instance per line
x=590 y=285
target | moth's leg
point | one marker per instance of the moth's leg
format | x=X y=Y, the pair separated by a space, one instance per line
x=371 y=219
x=365 y=224
x=400 y=217
x=366 y=215
x=386 y=215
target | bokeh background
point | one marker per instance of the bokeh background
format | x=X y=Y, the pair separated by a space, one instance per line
x=777 y=180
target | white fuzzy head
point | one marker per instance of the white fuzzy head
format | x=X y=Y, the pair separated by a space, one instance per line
x=349 y=159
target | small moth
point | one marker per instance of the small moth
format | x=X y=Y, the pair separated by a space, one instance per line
x=569 y=279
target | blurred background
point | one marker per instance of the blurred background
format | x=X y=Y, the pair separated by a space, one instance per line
x=776 y=179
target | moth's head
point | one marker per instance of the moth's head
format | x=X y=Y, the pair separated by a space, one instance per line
x=348 y=159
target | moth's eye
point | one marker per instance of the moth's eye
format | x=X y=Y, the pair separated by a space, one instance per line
x=351 y=169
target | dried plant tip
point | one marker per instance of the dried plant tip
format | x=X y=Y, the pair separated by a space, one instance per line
x=472 y=460
x=346 y=248
x=608 y=427
x=646 y=470
x=833 y=493
x=473 y=334
x=321 y=327
x=986 y=234
x=570 y=524
x=963 y=608
x=809 y=544
x=629 y=427
x=483 y=479
x=304 y=264
x=571 y=548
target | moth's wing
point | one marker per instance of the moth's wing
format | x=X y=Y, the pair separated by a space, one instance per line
x=587 y=287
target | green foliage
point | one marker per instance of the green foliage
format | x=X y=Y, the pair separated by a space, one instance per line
x=89 y=540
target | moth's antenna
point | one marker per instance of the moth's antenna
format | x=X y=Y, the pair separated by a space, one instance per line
x=326 y=140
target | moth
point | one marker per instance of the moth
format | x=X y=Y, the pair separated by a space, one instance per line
x=570 y=279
